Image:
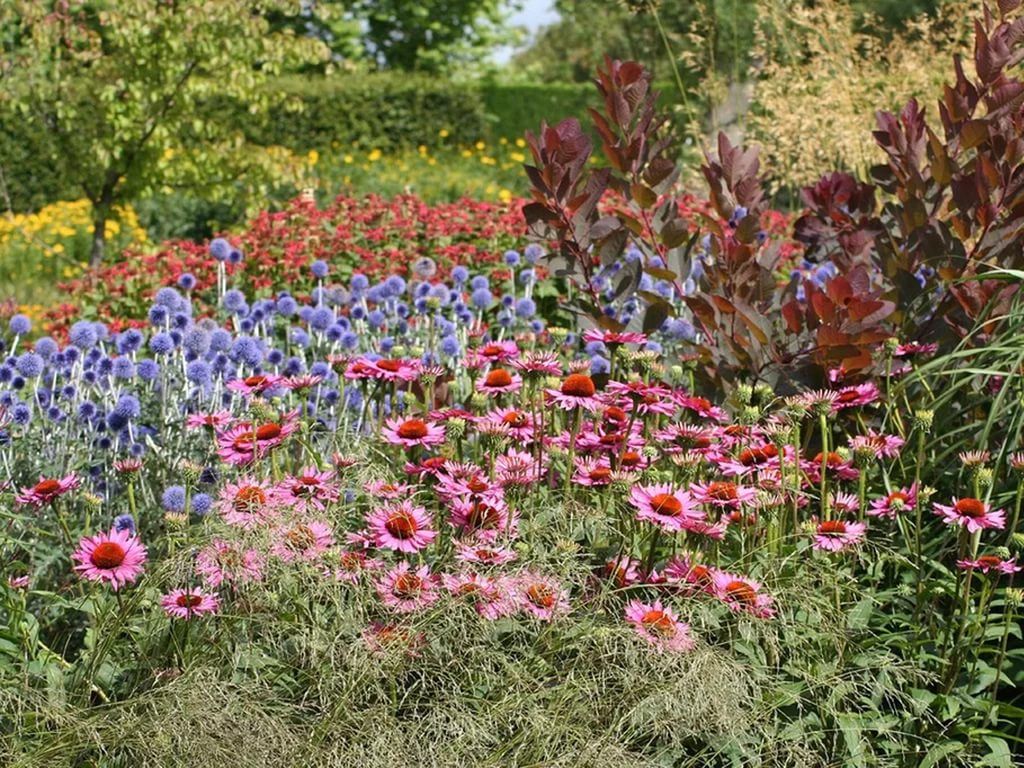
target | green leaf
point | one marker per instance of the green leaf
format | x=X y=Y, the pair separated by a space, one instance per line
x=939 y=751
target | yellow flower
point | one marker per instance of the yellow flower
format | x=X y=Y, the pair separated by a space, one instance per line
x=312 y=157
x=443 y=133
x=348 y=159
x=517 y=157
x=480 y=145
x=520 y=143
x=504 y=195
x=374 y=155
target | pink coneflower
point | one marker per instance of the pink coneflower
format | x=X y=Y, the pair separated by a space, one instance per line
x=667 y=507
x=402 y=528
x=645 y=398
x=302 y=383
x=189 y=603
x=723 y=494
x=255 y=385
x=837 y=535
x=412 y=432
x=302 y=541
x=592 y=471
x=247 y=503
x=469 y=552
x=46 y=490
x=835 y=466
x=577 y=391
x=541 y=595
x=683 y=438
x=743 y=595
x=128 y=466
x=518 y=468
x=213 y=421
x=393 y=370
x=499 y=381
x=658 y=625
x=115 y=557
x=405 y=590
x=702 y=407
x=18 y=582
x=860 y=394
x=536 y=364
x=383 y=489
x=381 y=638
x=428 y=467
x=311 y=489
x=973 y=513
x=484 y=519
x=473 y=483
x=614 y=337
x=491 y=598
x=241 y=444
x=691 y=575
x=750 y=460
x=989 y=563
x=518 y=422
x=845 y=502
x=226 y=561
x=352 y=563
x=884 y=446
x=896 y=502
x=915 y=349
x=623 y=571
x=497 y=351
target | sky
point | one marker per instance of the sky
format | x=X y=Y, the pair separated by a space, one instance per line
x=534 y=14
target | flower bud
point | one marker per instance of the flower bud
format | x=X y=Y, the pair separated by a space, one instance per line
x=923 y=420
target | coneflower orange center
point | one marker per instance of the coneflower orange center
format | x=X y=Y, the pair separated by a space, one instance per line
x=722 y=491
x=499 y=377
x=514 y=419
x=268 y=431
x=600 y=474
x=108 y=554
x=990 y=561
x=741 y=592
x=972 y=508
x=188 y=601
x=666 y=504
x=408 y=585
x=300 y=537
x=578 y=385
x=391 y=366
x=401 y=524
x=658 y=623
x=541 y=595
x=832 y=528
x=249 y=499
x=413 y=429
x=47 y=487
x=753 y=456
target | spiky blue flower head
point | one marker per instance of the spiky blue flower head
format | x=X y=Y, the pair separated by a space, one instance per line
x=234 y=302
x=286 y=306
x=46 y=347
x=198 y=372
x=202 y=504
x=124 y=523
x=321 y=319
x=319 y=268
x=533 y=253
x=173 y=499
x=220 y=340
x=148 y=370
x=30 y=365
x=479 y=282
x=187 y=281
x=424 y=267
x=395 y=286
x=511 y=258
x=128 y=407
x=161 y=343
x=220 y=248
x=460 y=274
x=359 y=282
x=83 y=334
x=19 y=325
x=123 y=368
x=482 y=298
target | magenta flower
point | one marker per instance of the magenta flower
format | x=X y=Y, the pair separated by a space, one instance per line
x=837 y=535
x=884 y=446
x=46 y=490
x=541 y=596
x=499 y=381
x=896 y=502
x=189 y=603
x=670 y=509
x=402 y=528
x=310 y=490
x=723 y=494
x=483 y=554
x=253 y=386
x=302 y=541
x=115 y=557
x=491 y=598
x=577 y=391
x=743 y=595
x=860 y=394
x=989 y=563
x=248 y=503
x=659 y=626
x=405 y=590
x=226 y=561
x=975 y=514
x=410 y=433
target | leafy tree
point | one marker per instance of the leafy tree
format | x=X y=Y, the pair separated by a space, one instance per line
x=121 y=88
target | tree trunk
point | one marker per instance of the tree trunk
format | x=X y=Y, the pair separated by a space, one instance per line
x=100 y=214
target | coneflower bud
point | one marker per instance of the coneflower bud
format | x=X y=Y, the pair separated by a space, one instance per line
x=176 y=519
x=190 y=471
x=676 y=373
x=749 y=414
x=559 y=335
x=455 y=428
x=1015 y=597
x=864 y=457
x=261 y=411
x=905 y=590
x=891 y=345
x=552 y=382
x=744 y=394
x=974 y=459
x=923 y=420
x=983 y=476
x=478 y=401
x=1017 y=462
x=1003 y=553
x=1017 y=541
x=650 y=452
x=91 y=499
x=763 y=393
x=399 y=350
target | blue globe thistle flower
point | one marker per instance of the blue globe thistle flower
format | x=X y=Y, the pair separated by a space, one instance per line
x=460 y=274
x=247 y=350
x=128 y=341
x=533 y=253
x=173 y=499
x=599 y=365
x=395 y=285
x=123 y=368
x=479 y=282
x=220 y=340
x=21 y=414
x=348 y=340
x=450 y=346
x=359 y=282
x=30 y=365
x=424 y=267
x=53 y=413
x=198 y=372
x=124 y=523
x=511 y=258
x=286 y=306
x=157 y=315
x=482 y=298
x=275 y=357
x=168 y=297
x=235 y=256
x=148 y=370
x=83 y=335
x=319 y=268
x=320 y=368
x=526 y=277
x=87 y=411
x=128 y=407
x=187 y=281
x=376 y=319
x=220 y=248
x=162 y=343
x=45 y=347
x=321 y=319
x=202 y=504
x=19 y=325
